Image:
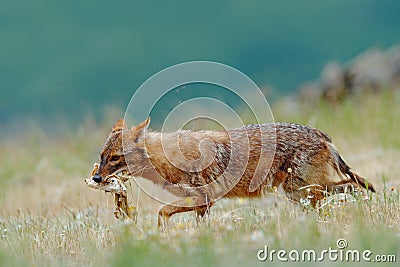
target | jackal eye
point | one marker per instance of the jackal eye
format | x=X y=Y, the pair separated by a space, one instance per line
x=114 y=158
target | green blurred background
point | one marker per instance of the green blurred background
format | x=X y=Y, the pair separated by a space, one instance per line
x=68 y=58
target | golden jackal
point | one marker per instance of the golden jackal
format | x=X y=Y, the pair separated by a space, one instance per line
x=202 y=166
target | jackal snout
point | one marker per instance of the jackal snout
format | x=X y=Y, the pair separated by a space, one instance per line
x=97 y=178
x=95 y=174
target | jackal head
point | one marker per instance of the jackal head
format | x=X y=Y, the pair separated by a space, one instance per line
x=122 y=143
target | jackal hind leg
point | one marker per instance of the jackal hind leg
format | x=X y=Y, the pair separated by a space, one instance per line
x=346 y=186
x=299 y=190
x=203 y=213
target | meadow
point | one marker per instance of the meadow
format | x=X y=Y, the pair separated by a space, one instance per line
x=49 y=217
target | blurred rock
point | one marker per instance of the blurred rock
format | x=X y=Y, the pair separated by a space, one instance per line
x=336 y=82
x=373 y=71
x=310 y=92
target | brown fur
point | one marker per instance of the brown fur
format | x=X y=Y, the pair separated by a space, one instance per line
x=203 y=166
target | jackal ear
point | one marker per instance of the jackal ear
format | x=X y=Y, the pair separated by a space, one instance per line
x=119 y=125
x=138 y=130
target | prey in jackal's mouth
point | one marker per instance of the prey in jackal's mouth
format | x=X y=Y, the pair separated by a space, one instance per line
x=114 y=184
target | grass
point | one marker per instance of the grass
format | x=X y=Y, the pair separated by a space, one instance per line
x=48 y=217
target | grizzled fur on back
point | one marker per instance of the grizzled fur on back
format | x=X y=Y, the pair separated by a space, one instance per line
x=243 y=162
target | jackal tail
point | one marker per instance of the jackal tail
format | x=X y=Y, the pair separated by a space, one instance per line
x=343 y=169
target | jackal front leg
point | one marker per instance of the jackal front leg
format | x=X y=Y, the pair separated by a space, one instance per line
x=191 y=203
